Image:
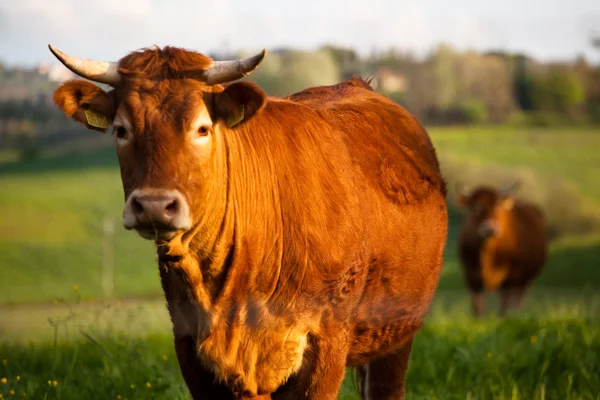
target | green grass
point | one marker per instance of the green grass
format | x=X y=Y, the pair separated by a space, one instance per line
x=552 y=154
x=51 y=232
x=97 y=347
x=546 y=348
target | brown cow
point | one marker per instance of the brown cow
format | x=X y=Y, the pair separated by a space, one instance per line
x=502 y=245
x=295 y=236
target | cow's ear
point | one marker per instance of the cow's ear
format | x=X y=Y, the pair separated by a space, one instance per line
x=238 y=103
x=462 y=195
x=86 y=103
x=461 y=200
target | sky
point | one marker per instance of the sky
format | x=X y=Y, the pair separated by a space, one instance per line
x=109 y=29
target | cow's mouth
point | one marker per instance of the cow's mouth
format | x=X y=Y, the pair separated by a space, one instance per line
x=157 y=234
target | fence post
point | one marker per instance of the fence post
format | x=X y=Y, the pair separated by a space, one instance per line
x=108 y=230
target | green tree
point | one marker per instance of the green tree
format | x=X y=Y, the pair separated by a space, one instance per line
x=287 y=72
x=559 y=90
x=524 y=83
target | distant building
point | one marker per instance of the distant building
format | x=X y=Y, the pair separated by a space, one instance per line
x=55 y=72
x=388 y=80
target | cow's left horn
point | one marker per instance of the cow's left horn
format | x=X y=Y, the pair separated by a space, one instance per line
x=97 y=71
x=227 y=71
x=511 y=189
x=461 y=189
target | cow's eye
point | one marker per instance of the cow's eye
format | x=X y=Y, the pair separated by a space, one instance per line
x=120 y=132
x=203 y=130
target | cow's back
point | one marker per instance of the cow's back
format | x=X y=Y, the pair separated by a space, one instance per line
x=390 y=147
x=531 y=246
x=403 y=206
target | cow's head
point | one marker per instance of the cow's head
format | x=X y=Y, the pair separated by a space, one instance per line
x=487 y=208
x=169 y=110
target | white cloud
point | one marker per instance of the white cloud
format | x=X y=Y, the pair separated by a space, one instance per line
x=466 y=28
x=108 y=29
x=130 y=9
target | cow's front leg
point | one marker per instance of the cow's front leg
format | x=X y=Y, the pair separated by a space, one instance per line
x=322 y=371
x=200 y=381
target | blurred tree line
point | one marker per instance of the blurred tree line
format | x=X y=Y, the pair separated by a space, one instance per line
x=26 y=107
x=445 y=87
x=451 y=87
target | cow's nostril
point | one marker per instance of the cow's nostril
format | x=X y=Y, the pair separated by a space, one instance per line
x=172 y=207
x=137 y=207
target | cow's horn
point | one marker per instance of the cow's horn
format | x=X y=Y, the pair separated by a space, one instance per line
x=227 y=71
x=511 y=189
x=461 y=189
x=97 y=71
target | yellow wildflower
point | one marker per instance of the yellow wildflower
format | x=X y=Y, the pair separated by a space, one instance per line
x=3 y=380
x=11 y=392
x=132 y=386
x=4 y=362
x=164 y=357
x=18 y=378
x=148 y=384
x=54 y=383
x=533 y=339
x=118 y=397
x=76 y=288
x=489 y=355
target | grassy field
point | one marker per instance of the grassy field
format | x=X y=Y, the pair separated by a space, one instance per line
x=63 y=337
x=51 y=230
x=551 y=350
x=51 y=233
x=550 y=154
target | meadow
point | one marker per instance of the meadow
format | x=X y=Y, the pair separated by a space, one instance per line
x=66 y=334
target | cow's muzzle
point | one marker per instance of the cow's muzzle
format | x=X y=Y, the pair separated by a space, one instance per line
x=156 y=213
x=488 y=228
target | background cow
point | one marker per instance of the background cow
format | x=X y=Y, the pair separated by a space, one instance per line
x=502 y=245
x=295 y=236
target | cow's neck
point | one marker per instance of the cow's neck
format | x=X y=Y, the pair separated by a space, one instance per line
x=239 y=232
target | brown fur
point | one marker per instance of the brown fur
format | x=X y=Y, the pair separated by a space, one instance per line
x=160 y=64
x=508 y=261
x=319 y=226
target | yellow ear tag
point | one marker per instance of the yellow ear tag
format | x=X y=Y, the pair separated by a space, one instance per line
x=96 y=120
x=234 y=120
x=509 y=203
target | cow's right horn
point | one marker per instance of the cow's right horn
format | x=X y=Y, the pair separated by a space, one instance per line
x=97 y=71
x=511 y=189
x=227 y=71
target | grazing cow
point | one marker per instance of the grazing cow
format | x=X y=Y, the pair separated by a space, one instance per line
x=502 y=245
x=295 y=236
